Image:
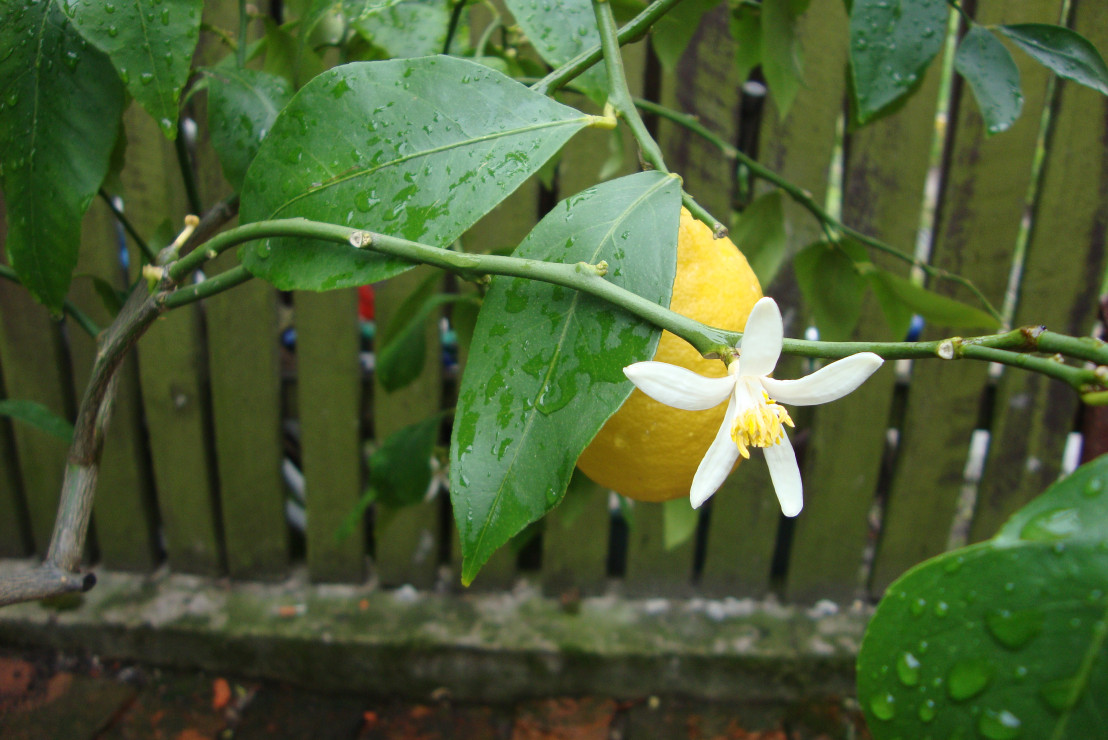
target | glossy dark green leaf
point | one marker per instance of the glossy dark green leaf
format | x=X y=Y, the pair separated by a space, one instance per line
x=1004 y=639
x=560 y=31
x=545 y=370
x=781 y=59
x=398 y=147
x=150 y=42
x=832 y=287
x=402 y=342
x=38 y=416
x=891 y=44
x=993 y=76
x=400 y=469
x=242 y=106
x=760 y=235
x=60 y=105
x=936 y=308
x=672 y=32
x=407 y=29
x=1066 y=52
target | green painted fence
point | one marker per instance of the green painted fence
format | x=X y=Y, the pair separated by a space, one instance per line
x=220 y=428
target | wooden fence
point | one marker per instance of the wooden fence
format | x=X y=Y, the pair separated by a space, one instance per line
x=212 y=406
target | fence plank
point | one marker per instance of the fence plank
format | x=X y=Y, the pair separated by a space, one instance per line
x=979 y=218
x=407 y=539
x=652 y=570
x=171 y=367
x=1064 y=263
x=885 y=171
x=123 y=511
x=575 y=544
x=30 y=352
x=329 y=390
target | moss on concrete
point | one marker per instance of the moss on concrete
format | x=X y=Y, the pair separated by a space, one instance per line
x=487 y=647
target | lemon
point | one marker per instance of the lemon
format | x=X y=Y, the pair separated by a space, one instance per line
x=649 y=451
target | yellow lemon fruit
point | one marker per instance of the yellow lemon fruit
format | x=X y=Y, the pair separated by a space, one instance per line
x=649 y=451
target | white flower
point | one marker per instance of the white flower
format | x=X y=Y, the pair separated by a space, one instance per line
x=753 y=418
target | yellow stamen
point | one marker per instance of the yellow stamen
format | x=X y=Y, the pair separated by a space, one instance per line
x=760 y=425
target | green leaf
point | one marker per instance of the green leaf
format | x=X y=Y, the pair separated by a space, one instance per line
x=897 y=314
x=1066 y=52
x=150 y=42
x=993 y=76
x=110 y=297
x=545 y=370
x=781 y=57
x=671 y=34
x=402 y=342
x=760 y=235
x=746 y=29
x=400 y=469
x=560 y=31
x=679 y=522
x=891 y=44
x=242 y=106
x=286 y=56
x=38 y=416
x=1004 y=639
x=60 y=106
x=407 y=29
x=832 y=287
x=398 y=147
x=936 y=308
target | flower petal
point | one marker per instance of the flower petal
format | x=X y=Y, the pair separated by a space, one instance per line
x=785 y=474
x=826 y=384
x=717 y=462
x=762 y=338
x=675 y=386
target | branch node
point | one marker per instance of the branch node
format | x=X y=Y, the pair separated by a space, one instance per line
x=361 y=239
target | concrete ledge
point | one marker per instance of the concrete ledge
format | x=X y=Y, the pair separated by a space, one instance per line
x=480 y=647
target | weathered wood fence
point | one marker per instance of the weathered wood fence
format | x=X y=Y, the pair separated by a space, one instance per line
x=211 y=406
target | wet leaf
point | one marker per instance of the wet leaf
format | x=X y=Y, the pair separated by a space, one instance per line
x=1004 y=639
x=53 y=154
x=545 y=369
x=560 y=31
x=242 y=106
x=150 y=42
x=397 y=147
x=993 y=76
x=891 y=44
x=38 y=416
x=407 y=29
x=1066 y=52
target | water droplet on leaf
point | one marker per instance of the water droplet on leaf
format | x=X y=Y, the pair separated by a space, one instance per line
x=1002 y=725
x=968 y=678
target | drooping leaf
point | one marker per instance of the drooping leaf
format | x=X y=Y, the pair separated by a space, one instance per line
x=671 y=34
x=897 y=313
x=932 y=306
x=832 y=287
x=402 y=346
x=545 y=370
x=400 y=469
x=60 y=106
x=150 y=42
x=679 y=522
x=891 y=43
x=1004 y=639
x=38 y=416
x=242 y=106
x=407 y=29
x=1065 y=52
x=746 y=30
x=760 y=235
x=560 y=31
x=286 y=56
x=781 y=59
x=397 y=147
x=993 y=76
